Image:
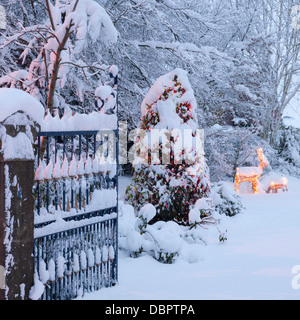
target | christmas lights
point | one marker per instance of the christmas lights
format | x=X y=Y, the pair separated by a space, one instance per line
x=281 y=185
x=251 y=174
x=172 y=187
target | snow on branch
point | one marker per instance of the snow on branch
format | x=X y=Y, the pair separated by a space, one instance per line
x=57 y=44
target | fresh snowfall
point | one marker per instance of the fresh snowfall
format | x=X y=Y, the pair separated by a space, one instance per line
x=259 y=261
x=164 y=144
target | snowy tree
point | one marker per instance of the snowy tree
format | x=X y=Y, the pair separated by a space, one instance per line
x=169 y=174
x=278 y=24
x=59 y=54
x=213 y=40
x=228 y=147
x=288 y=146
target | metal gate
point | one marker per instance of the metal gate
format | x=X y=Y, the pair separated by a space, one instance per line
x=75 y=241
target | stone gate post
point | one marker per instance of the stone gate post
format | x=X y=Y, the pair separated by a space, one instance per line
x=18 y=132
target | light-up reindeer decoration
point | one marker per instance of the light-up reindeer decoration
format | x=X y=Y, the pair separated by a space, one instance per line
x=251 y=174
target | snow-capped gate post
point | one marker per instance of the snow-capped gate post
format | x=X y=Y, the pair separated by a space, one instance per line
x=18 y=132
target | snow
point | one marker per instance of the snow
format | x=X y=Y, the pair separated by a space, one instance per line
x=97 y=256
x=64 y=168
x=88 y=166
x=148 y=212
x=103 y=92
x=43 y=272
x=95 y=166
x=134 y=241
x=202 y=204
x=80 y=122
x=80 y=166
x=76 y=265
x=37 y=289
x=194 y=216
x=105 y=254
x=19 y=147
x=101 y=199
x=39 y=174
x=250 y=171
x=9 y=225
x=272 y=177
x=168 y=116
x=256 y=262
x=13 y=100
x=48 y=171
x=60 y=266
x=73 y=167
x=57 y=169
x=51 y=269
x=111 y=253
x=161 y=84
x=91 y=258
x=114 y=70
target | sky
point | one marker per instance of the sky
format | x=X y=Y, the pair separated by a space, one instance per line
x=292 y=113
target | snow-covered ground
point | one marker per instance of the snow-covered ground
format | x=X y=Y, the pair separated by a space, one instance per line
x=255 y=263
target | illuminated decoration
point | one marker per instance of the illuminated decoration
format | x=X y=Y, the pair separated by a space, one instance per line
x=172 y=187
x=175 y=92
x=281 y=185
x=251 y=174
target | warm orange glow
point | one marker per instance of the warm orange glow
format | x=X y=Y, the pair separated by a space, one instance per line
x=251 y=174
x=274 y=187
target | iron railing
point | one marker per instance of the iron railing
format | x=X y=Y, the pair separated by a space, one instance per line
x=77 y=260
x=79 y=254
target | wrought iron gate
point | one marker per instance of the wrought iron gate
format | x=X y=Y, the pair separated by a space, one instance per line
x=75 y=242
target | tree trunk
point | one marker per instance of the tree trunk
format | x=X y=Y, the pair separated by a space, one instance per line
x=54 y=75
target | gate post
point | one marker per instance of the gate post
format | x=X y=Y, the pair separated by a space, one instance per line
x=16 y=206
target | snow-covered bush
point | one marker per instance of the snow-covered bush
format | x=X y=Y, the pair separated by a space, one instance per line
x=201 y=213
x=171 y=186
x=167 y=240
x=225 y=199
x=146 y=214
x=134 y=243
x=164 y=241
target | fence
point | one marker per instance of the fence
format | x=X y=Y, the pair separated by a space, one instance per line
x=58 y=207
x=75 y=243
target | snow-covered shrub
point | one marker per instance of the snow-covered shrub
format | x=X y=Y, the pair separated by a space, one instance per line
x=167 y=241
x=127 y=218
x=146 y=214
x=222 y=236
x=201 y=213
x=165 y=257
x=171 y=186
x=134 y=243
x=225 y=199
x=164 y=241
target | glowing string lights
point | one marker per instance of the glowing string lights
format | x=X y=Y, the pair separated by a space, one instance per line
x=251 y=174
